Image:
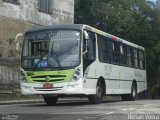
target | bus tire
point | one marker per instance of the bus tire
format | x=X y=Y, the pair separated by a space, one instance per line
x=125 y=97
x=97 y=98
x=133 y=95
x=50 y=100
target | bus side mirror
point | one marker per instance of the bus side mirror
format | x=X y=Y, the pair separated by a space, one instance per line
x=85 y=41
x=17 y=41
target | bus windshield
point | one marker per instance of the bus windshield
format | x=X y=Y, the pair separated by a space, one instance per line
x=51 y=49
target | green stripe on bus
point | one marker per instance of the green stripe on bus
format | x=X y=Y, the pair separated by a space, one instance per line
x=53 y=76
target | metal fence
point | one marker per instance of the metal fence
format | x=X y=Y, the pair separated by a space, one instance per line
x=9 y=75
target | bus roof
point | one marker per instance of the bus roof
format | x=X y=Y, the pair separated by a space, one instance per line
x=112 y=37
x=50 y=27
x=87 y=27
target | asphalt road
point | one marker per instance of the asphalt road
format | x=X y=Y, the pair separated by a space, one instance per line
x=82 y=110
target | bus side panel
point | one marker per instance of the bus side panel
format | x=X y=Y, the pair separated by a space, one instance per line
x=119 y=78
x=116 y=78
x=90 y=79
x=141 y=79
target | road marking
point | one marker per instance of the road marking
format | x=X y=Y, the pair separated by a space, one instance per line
x=141 y=109
x=126 y=109
x=105 y=114
x=131 y=108
x=147 y=105
x=91 y=118
x=109 y=113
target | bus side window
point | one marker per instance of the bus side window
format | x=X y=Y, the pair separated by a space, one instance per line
x=141 y=60
x=125 y=55
x=110 y=51
x=129 y=57
x=144 y=61
x=116 y=53
x=113 y=52
x=102 y=48
x=135 y=58
x=122 y=58
x=132 y=58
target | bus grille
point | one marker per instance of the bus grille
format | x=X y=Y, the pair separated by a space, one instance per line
x=51 y=78
x=42 y=89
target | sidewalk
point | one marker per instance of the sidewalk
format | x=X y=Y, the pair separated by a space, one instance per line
x=10 y=98
x=9 y=102
x=18 y=98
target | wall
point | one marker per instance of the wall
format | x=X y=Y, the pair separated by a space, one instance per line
x=17 y=18
x=158 y=3
x=9 y=75
x=9 y=27
x=63 y=12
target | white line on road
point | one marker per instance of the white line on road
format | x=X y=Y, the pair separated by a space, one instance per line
x=109 y=113
x=131 y=108
x=147 y=105
x=105 y=114
x=126 y=109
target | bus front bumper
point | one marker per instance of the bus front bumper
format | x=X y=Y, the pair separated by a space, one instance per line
x=68 y=88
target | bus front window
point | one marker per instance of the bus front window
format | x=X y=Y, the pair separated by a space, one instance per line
x=51 y=49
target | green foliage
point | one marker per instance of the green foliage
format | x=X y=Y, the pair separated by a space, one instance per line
x=132 y=20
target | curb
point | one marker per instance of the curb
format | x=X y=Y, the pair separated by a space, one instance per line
x=28 y=101
x=21 y=102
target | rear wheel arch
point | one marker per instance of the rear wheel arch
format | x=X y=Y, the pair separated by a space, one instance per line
x=133 y=95
x=102 y=80
x=134 y=82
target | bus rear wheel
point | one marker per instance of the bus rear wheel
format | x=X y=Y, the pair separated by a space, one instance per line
x=133 y=94
x=50 y=100
x=97 y=98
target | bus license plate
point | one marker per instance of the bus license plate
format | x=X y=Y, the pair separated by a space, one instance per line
x=47 y=86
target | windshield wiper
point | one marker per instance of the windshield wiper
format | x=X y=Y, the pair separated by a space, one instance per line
x=55 y=57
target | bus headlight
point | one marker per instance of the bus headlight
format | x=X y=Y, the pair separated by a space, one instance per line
x=77 y=74
x=75 y=78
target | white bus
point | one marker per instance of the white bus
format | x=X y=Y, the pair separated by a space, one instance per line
x=79 y=60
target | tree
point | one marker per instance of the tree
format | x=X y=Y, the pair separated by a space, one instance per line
x=132 y=20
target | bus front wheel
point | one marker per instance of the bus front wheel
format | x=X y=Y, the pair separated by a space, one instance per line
x=97 y=98
x=50 y=100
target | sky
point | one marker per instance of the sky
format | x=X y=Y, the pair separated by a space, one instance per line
x=153 y=0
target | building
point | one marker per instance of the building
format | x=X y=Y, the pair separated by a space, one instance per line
x=18 y=15
x=151 y=3
x=158 y=3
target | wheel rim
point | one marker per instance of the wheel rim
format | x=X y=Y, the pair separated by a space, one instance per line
x=134 y=92
x=99 y=92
